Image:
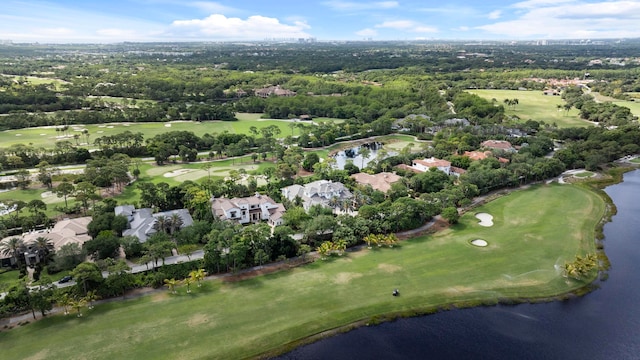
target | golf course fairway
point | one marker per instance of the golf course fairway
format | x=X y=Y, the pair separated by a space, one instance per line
x=534 y=232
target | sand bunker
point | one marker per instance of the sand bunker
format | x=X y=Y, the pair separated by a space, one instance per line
x=479 y=242
x=177 y=172
x=485 y=219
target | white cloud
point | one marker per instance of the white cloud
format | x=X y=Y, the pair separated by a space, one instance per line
x=407 y=25
x=495 y=14
x=367 y=32
x=220 y=27
x=356 y=6
x=606 y=19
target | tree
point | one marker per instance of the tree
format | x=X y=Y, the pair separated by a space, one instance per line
x=188 y=281
x=450 y=214
x=43 y=247
x=36 y=205
x=64 y=300
x=23 y=178
x=14 y=247
x=64 y=190
x=105 y=245
x=364 y=153
x=91 y=297
x=197 y=275
x=85 y=192
x=78 y=304
x=45 y=174
x=171 y=284
x=87 y=276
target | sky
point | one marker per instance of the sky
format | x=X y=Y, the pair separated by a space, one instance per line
x=112 y=21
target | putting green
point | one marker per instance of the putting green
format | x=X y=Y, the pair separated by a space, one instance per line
x=535 y=230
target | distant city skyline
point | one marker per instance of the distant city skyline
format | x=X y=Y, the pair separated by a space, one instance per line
x=81 y=21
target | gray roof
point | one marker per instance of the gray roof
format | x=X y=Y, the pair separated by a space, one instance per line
x=141 y=221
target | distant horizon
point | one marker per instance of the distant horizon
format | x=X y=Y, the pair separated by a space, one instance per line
x=305 y=41
x=146 y=21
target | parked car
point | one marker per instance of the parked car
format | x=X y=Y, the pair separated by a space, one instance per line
x=65 y=279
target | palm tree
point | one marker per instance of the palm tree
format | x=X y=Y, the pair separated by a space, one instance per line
x=64 y=300
x=364 y=152
x=161 y=224
x=197 y=275
x=188 y=281
x=43 y=247
x=175 y=223
x=12 y=248
x=91 y=297
x=171 y=284
x=77 y=305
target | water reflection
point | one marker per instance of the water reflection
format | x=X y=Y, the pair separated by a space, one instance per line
x=355 y=155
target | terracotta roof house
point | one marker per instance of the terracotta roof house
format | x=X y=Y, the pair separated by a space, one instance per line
x=381 y=181
x=141 y=221
x=498 y=145
x=247 y=210
x=477 y=155
x=319 y=192
x=67 y=231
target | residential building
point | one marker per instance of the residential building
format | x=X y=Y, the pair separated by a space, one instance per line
x=498 y=145
x=381 y=181
x=322 y=192
x=142 y=221
x=247 y=210
x=67 y=231
x=426 y=164
x=273 y=90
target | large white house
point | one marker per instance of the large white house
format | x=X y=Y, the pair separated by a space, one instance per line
x=319 y=192
x=246 y=210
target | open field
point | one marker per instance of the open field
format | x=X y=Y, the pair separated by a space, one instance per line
x=534 y=232
x=36 y=80
x=535 y=106
x=47 y=136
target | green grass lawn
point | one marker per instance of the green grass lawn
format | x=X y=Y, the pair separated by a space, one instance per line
x=534 y=232
x=584 y=174
x=47 y=136
x=535 y=106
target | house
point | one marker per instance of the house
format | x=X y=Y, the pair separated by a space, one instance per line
x=381 y=181
x=498 y=145
x=420 y=166
x=478 y=155
x=247 y=210
x=426 y=164
x=67 y=231
x=457 y=122
x=273 y=90
x=322 y=192
x=142 y=221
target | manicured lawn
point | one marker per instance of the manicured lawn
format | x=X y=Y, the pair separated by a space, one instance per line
x=46 y=136
x=8 y=279
x=535 y=106
x=534 y=232
x=584 y=174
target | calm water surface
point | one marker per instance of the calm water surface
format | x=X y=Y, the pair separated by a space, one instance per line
x=604 y=324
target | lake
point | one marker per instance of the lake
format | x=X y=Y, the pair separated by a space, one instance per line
x=604 y=324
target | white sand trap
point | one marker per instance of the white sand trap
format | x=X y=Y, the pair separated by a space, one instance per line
x=167 y=125
x=485 y=219
x=101 y=126
x=100 y=131
x=109 y=127
x=177 y=172
x=43 y=134
x=47 y=194
x=479 y=242
x=18 y=134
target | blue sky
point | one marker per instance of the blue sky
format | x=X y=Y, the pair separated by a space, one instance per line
x=99 y=21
